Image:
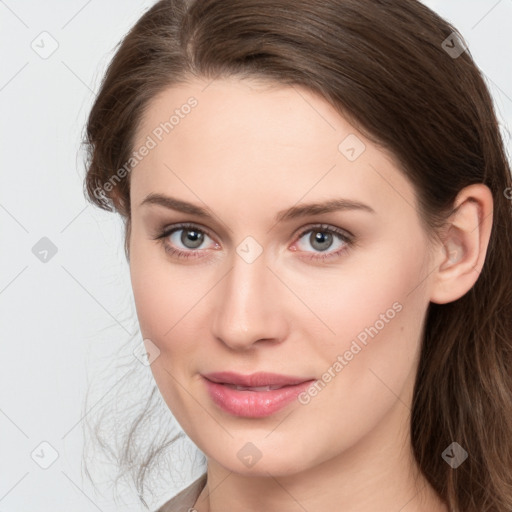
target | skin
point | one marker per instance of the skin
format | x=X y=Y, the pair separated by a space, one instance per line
x=246 y=151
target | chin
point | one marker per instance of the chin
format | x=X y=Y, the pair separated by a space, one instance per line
x=273 y=461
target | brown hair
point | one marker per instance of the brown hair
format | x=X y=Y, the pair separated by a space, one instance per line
x=388 y=67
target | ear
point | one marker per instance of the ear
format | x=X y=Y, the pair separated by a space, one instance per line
x=461 y=254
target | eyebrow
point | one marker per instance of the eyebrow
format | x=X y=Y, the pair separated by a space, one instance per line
x=303 y=210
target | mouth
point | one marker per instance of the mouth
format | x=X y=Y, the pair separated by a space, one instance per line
x=254 y=396
x=251 y=388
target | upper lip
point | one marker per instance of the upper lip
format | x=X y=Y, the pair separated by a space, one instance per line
x=255 y=379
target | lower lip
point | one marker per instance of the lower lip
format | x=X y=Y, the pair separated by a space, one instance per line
x=253 y=404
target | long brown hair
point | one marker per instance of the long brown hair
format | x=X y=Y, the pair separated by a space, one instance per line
x=400 y=74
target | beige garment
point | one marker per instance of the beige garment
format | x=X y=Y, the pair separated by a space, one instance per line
x=186 y=498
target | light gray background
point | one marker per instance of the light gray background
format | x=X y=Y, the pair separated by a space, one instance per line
x=62 y=320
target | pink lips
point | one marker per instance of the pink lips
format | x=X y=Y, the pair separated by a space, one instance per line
x=263 y=393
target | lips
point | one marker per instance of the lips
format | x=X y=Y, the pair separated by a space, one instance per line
x=256 y=395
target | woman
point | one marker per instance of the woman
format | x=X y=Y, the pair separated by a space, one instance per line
x=318 y=233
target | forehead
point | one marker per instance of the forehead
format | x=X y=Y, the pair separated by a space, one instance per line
x=258 y=138
x=247 y=110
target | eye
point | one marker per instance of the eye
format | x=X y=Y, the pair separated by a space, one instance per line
x=185 y=240
x=322 y=238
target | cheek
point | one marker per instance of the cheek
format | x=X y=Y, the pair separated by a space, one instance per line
x=367 y=369
x=149 y=291
x=373 y=283
x=164 y=303
x=376 y=307
x=163 y=294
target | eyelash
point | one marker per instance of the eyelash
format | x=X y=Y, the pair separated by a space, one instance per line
x=346 y=238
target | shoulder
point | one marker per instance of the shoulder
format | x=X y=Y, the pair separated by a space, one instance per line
x=186 y=498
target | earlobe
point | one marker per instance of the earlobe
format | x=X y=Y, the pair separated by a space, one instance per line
x=462 y=253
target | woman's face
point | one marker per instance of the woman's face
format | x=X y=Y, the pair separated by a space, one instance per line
x=333 y=296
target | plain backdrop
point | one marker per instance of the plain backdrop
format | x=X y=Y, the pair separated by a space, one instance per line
x=65 y=295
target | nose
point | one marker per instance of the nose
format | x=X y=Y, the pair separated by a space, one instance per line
x=249 y=306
